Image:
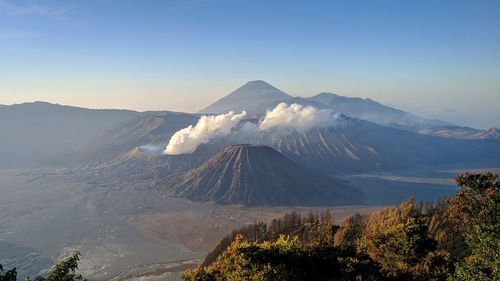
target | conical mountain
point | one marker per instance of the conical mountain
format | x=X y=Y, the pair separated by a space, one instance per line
x=253 y=97
x=259 y=175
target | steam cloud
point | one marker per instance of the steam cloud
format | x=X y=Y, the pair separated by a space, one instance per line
x=282 y=119
x=151 y=149
x=208 y=127
x=298 y=117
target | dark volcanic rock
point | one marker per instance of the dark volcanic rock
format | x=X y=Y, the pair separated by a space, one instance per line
x=259 y=175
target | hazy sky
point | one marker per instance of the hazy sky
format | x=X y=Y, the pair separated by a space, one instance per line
x=435 y=58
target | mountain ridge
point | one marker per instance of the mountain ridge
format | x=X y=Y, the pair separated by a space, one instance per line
x=34 y=134
x=365 y=109
x=368 y=109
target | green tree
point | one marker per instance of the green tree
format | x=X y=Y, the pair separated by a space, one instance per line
x=9 y=275
x=477 y=207
x=398 y=240
x=66 y=270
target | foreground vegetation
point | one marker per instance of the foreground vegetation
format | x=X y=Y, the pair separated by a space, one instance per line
x=457 y=239
x=66 y=270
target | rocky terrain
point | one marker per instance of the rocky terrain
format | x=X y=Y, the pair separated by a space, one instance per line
x=259 y=175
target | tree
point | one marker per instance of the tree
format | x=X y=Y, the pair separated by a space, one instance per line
x=477 y=207
x=66 y=270
x=398 y=239
x=9 y=275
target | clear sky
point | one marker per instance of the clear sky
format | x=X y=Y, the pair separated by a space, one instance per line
x=435 y=58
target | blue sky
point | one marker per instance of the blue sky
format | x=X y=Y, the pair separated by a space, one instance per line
x=440 y=59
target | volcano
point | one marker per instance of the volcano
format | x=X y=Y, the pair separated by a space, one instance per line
x=259 y=175
x=254 y=97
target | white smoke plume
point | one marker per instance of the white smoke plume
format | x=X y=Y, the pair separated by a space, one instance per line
x=283 y=119
x=298 y=117
x=151 y=149
x=208 y=127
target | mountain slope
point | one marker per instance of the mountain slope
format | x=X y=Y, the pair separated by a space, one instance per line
x=370 y=110
x=299 y=100
x=452 y=131
x=149 y=129
x=351 y=146
x=356 y=146
x=34 y=133
x=258 y=175
x=253 y=97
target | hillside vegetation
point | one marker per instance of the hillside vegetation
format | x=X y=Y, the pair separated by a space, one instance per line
x=457 y=239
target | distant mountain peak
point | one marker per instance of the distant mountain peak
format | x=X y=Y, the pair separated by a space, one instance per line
x=325 y=94
x=258 y=88
x=35 y=103
x=257 y=83
x=253 y=97
x=40 y=102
